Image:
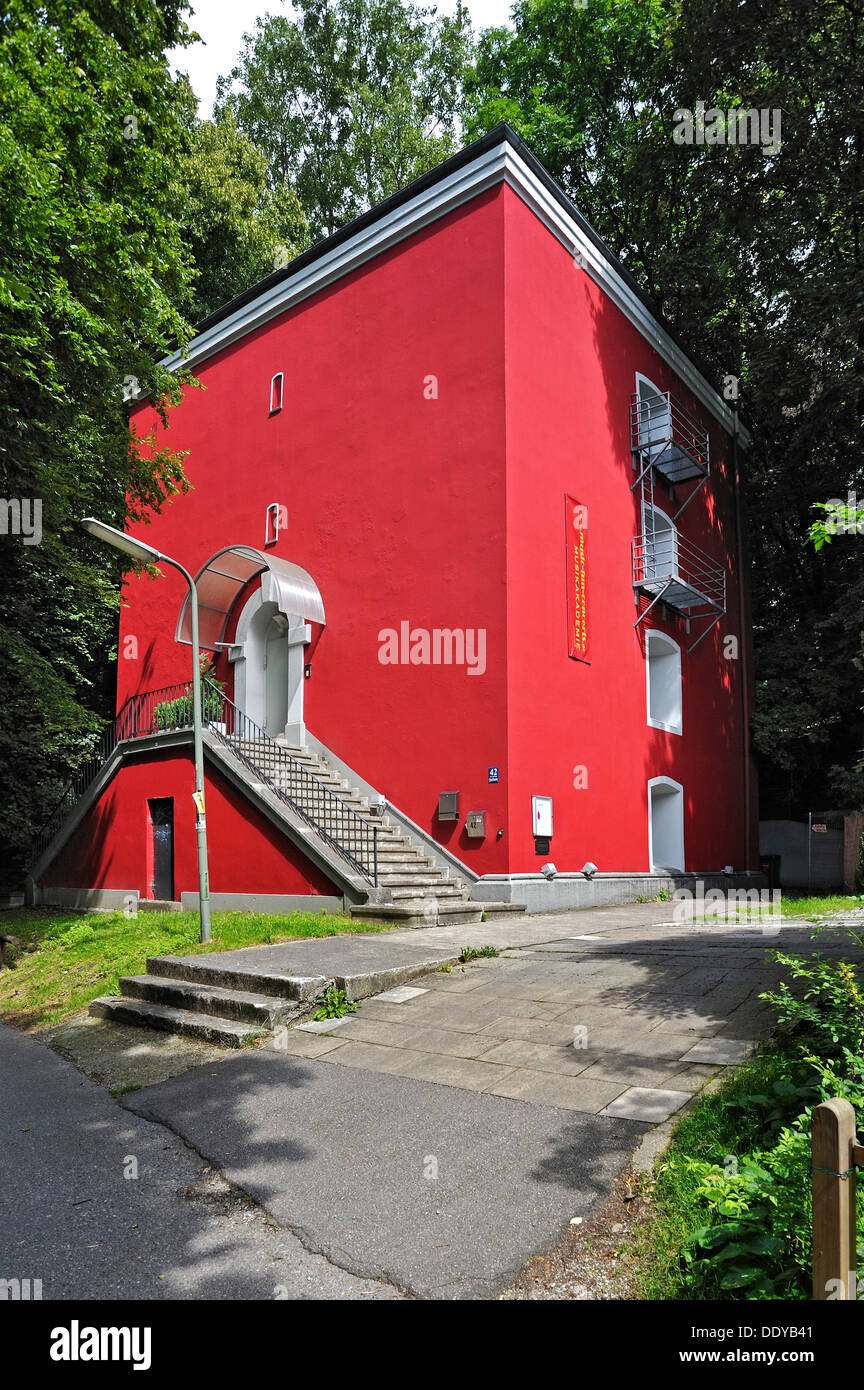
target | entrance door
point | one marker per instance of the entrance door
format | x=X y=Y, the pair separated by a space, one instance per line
x=665 y=824
x=276 y=652
x=162 y=843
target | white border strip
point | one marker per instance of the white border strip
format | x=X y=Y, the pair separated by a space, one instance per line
x=501 y=164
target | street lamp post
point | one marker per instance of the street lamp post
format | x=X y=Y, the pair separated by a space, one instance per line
x=149 y=555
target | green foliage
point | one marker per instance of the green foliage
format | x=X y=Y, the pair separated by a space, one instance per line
x=176 y=714
x=92 y=268
x=828 y=1012
x=349 y=99
x=733 y=1193
x=239 y=227
x=333 y=1003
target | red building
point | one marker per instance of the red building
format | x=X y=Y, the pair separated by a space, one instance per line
x=466 y=520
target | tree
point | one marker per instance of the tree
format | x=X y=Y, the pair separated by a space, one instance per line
x=238 y=226
x=92 y=268
x=755 y=257
x=349 y=101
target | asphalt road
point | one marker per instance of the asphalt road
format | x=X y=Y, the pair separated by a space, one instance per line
x=439 y=1191
x=70 y=1218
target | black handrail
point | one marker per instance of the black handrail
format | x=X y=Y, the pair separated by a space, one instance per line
x=343 y=828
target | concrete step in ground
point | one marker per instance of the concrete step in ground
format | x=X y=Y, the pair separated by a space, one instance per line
x=236 y=997
x=262 y=1010
x=224 y=1032
x=410 y=913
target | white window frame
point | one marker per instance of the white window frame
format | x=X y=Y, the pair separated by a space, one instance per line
x=652 y=388
x=277 y=385
x=653 y=636
x=676 y=787
x=658 y=511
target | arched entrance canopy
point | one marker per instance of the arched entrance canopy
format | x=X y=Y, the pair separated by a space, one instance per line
x=227 y=573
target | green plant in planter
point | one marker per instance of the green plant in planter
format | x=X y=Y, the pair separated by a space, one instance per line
x=175 y=714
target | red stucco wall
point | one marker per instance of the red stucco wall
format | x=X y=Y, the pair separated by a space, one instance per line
x=571 y=362
x=246 y=853
x=448 y=513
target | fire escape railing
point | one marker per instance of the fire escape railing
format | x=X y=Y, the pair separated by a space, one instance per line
x=667 y=568
x=667 y=560
x=666 y=437
x=160 y=711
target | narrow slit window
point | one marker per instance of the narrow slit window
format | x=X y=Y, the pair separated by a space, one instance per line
x=276 y=393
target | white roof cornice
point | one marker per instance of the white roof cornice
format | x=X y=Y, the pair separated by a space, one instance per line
x=502 y=163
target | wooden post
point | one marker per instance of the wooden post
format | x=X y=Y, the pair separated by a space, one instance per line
x=834 y=1243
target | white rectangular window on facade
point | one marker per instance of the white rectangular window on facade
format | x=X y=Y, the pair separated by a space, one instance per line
x=663 y=675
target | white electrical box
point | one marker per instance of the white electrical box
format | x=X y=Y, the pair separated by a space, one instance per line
x=541 y=816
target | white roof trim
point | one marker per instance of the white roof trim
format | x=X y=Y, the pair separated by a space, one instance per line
x=500 y=164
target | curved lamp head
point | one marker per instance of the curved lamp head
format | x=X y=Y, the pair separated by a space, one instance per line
x=120 y=541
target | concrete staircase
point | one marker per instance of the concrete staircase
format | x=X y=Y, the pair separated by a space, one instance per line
x=231 y=998
x=417 y=890
x=207 y=1002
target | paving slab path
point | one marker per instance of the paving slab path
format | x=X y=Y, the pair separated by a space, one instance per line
x=450 y=1129
x=425 y=1146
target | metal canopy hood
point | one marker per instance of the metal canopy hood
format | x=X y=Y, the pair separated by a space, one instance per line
x=223 y=578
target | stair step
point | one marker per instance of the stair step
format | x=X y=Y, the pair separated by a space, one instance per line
x=493 y=911
x=444 y=892
x=410 y=916
x=263 y=1010
x=401 y=856
x=224 y=1032
x=396 y=878
x=297 y=987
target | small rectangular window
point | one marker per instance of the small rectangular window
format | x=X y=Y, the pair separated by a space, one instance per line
x=276 y=393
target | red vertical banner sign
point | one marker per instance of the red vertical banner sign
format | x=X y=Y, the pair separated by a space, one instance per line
x=576 y=551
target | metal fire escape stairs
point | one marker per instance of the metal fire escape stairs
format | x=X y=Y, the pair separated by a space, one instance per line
x=667 y=568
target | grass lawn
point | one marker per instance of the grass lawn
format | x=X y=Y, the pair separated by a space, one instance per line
x=805 y=907
x=69 y=958
x=819 y=907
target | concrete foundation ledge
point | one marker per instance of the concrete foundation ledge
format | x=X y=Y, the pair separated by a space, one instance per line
x=87 y=899
x=265 y=902
x=567 y=891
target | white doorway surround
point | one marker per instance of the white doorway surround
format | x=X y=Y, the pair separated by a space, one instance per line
x=665 y=825
x=268 y=653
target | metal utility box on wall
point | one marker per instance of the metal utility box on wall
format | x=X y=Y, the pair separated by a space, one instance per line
x=448 y=805
x=475 y=825
x=541 y=816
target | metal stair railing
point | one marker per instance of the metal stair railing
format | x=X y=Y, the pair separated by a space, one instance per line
x=343 y=828
x=170 y=708
x=151 y=712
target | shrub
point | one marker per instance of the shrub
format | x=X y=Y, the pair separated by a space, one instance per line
x=753 y=1239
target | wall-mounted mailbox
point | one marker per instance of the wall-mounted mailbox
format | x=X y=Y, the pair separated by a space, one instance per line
x=475 y=825
x=448 y=805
